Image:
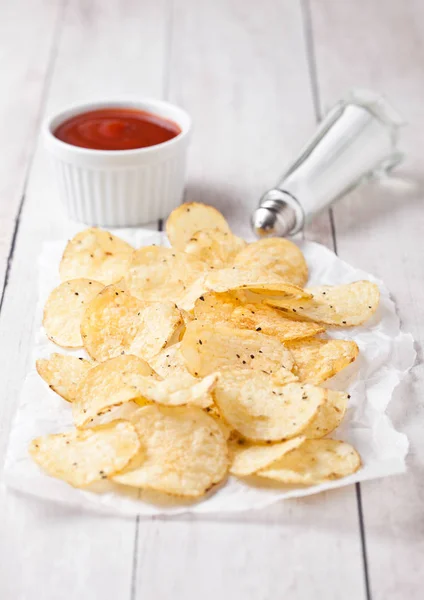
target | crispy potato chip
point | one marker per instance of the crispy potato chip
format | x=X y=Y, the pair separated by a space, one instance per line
x=109 y=384
x=186 y=453
x=329 y=415
x=191 y=217
x=187 y=316
x=96 y=254
x=277 y=256
x=161 y=324
x=171 y=366
x=116 y=323
x=247 y=459
x=233 y=278
x=63 y=373
x=83 y=457
x=129 y=378
x=315 y=461
x=317 y=360
x=195 y=290
x=271 y=321
x=158 y=273
x=215 y=247
x=208 y=348
x=345 y=305
x=123 y=412
x=170 y=362
x=65 y=308
x=215 y=308
x=225 y=308
x=262 y=410
x=213 y=412
x=178 y=391
x=283 y=376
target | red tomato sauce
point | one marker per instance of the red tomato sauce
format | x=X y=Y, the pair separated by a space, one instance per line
x=116 y=129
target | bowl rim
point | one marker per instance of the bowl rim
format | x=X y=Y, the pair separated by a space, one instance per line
x=153 y=105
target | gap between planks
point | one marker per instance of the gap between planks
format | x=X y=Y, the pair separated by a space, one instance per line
x=43 y=100
x=316 y=99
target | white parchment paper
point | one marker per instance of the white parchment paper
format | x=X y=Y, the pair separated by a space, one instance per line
x=386 y=355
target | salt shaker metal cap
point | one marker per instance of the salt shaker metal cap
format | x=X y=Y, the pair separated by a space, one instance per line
x=356 y=140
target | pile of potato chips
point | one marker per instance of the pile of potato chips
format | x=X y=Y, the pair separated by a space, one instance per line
x=202 y=360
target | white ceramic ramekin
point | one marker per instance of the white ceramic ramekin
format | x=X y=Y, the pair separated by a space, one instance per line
x=120 y=188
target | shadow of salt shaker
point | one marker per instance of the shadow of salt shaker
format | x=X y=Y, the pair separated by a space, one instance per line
x=357 y=140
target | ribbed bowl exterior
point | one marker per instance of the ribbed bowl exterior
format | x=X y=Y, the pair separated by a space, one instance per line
x=121 y=197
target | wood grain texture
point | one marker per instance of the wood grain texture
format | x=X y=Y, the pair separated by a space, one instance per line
x=24 y=69
x=241 y=70
x=48 y=552
x=382 y=42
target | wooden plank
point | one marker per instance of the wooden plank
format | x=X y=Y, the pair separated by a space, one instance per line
x=24 y=70
x=240 y=69
x=48 y=551
x=379 y=44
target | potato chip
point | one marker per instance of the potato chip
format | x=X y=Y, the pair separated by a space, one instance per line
x=215 y=308
x=171 y=366
x=116 y=323
x=315 y=461
x=109 y=384
x=226 y=309
x=63 y=373
x=232 y=278
x=158 y=273
x=178 y=391
x=247 y=458
x=213 y=412
x=262 y=410
x=123 y=412
x=95 y=254
x=83 y=457
x=65 y=308
x=161 y=324
x=329 y=415
x=170 y=362
x=195 y=290
x=216 y=248
x=345 y=305
x=187 y=316
x=317 y=360
x=186 y=453
x=271 y=321
x=282 y=376
x=208 y=348
x=191 y=217
x=277 y=256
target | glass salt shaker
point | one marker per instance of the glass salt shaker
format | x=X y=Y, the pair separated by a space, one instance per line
x=355 y=141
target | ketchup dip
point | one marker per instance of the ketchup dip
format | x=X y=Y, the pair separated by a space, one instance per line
x=116 y=129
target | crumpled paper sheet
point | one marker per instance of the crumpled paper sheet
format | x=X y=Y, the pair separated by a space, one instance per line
x=386 y=355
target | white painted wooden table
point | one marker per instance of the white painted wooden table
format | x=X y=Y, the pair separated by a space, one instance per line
x=255 y=76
